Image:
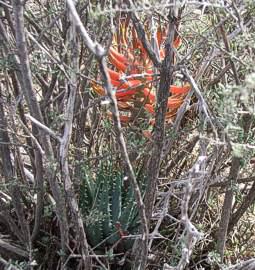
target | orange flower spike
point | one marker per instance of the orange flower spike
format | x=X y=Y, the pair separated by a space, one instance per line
x=137 y=44
x=149 y=71
x=127 y=98
x=123 y=36
x=119 y=65
x=180 y=89
x=170 y=115
x=143 y=51
x=130 y=90
x=134 y=39
x=123 y=32
x=177 y=43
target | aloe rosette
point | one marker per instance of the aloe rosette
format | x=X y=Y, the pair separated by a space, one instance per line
x=109 y=208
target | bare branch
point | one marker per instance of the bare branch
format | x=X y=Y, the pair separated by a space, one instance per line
x=43 y=127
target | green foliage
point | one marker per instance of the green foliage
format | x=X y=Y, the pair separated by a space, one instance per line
x=108 y=206
x=235 y=109
x=14 y=264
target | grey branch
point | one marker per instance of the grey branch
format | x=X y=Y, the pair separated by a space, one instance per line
x=43 y=127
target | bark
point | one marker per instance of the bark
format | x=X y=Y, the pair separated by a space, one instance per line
x=166 y=73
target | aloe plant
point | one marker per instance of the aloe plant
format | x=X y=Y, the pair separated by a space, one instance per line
x=108 y=207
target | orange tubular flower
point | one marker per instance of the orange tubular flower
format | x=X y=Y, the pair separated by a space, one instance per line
x=120 y=84
x=174 y=103
x=114 y=75
x=120 y=57
x=126 y=84
x=124 y=106
x=149 y=95
x=125 y=94
x=118 y=64
x=98 y=89
x=149 y=108
x=180 y=89
x=177 y=42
